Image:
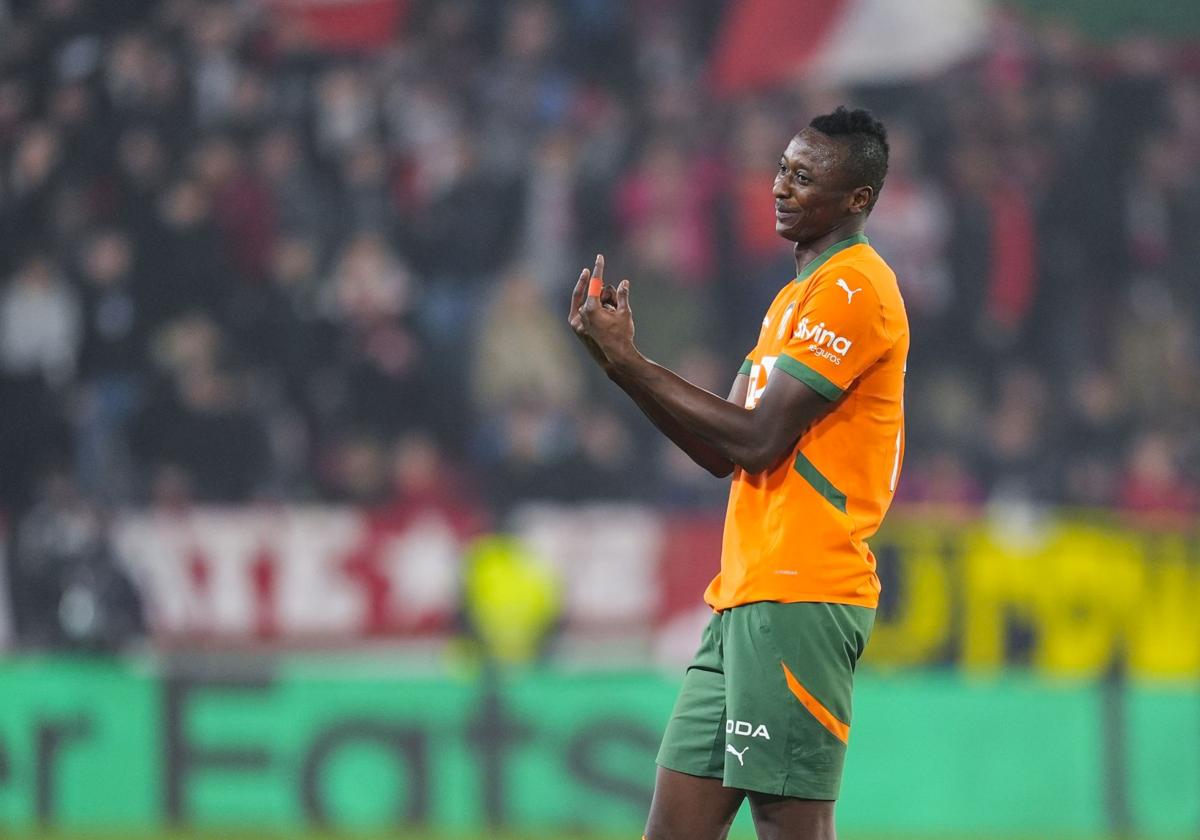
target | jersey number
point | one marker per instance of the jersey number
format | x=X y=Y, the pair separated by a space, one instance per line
x=759 y=374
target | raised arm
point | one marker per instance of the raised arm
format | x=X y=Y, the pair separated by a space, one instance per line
x=751 y=439
x=692 y=445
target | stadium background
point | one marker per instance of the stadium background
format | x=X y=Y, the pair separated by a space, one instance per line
x=315 y=518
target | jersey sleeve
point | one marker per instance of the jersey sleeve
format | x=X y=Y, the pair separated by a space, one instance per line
x=839 y=332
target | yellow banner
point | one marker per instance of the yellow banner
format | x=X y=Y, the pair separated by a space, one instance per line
x=1070 y=596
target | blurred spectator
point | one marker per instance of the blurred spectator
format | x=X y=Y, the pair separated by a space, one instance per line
x=606 y=453
x=345 y=111
x=140 y=174
x=115 y=327
x=523 y=354
x=357 y=471
x=34 y=165
x=423 y=482
x=39 y=342
x=185 y=265
x=1153 y=482
x=213 y=30
x=911 y=223
x=280 y=324
x=1017 y=459
x=70 y=590
x=242 y=206
x=295 y=194
x=364 y=182
x=196 y=421
x=39 y=324
x=524 y=452
x=1098 y=422
x=944 y=479
x=380 y=365
x=551 y=224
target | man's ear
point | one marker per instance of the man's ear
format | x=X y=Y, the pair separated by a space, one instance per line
x=860 y=199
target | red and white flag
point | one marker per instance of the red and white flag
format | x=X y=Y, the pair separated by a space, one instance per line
x=832 y=42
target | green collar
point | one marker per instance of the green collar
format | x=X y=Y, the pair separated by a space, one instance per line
x=819 y=260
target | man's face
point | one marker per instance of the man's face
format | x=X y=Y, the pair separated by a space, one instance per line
x=811 y=197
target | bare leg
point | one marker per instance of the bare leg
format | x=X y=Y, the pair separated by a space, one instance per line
x=691 y=807
x=787 y=818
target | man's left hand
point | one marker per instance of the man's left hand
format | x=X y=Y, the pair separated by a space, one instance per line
x=610 y=328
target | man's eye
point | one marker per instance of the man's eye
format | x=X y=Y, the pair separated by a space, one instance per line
x=783 y=169
x=801 y=178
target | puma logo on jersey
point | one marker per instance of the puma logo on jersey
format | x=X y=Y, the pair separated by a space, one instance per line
x=738 y=755
x=821 y=337
x=842 y=284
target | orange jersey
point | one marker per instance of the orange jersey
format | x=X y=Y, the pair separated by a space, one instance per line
x=798 y=531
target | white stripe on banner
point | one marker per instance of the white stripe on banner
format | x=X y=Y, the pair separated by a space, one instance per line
x=886 y=40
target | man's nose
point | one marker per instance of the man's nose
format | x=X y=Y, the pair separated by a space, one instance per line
x=779 y=190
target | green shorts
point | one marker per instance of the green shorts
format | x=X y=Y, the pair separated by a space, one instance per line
x=765 y=704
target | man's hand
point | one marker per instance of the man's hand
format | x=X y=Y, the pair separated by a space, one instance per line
x=608 y=298
x=609 y=328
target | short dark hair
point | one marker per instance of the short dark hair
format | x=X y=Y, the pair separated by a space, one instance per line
x=866 y=137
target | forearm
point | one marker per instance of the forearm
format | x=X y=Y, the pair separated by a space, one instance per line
x=716 y=433
x=694 y=446
x=721 y=429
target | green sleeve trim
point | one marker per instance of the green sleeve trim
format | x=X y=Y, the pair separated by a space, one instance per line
x=819 y=482
x=744 y=370
x=814 y=380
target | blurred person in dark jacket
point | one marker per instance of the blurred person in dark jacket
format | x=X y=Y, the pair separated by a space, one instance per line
x=365 y=190
x=198 y=421
x=185 y=268
x=377 y=374
x=31 y=174
x=301 y=205
x=243 y=207
x=1020 y=455
x=134 y=183
x=39 y=345
x=112 y=363
x=70 y=589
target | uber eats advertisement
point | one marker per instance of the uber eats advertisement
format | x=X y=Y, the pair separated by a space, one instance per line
x=1038 y=680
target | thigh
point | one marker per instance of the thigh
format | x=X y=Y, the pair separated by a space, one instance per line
x=788 y=818
x=687 y=807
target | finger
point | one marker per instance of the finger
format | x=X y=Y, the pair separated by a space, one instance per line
x=623 y=296
x=577 y=294
x=597 y=284
x=609 y=296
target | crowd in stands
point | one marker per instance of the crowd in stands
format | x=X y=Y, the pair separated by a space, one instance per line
x=234 y=268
